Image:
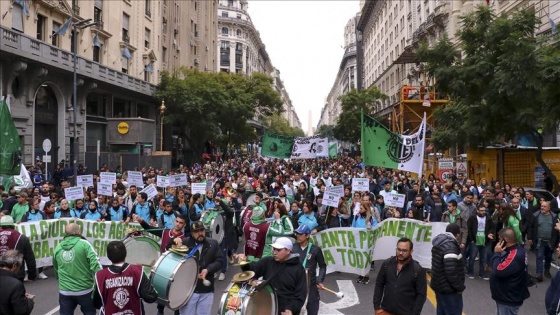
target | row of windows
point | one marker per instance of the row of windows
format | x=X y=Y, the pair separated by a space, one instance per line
x=225 y=32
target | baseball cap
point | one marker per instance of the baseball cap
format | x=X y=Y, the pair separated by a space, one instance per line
x=197 y=225
x=7 y=220
x=303 y=229
x=282 y=242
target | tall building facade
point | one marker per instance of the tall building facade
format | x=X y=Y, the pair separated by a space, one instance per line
x=346 y=78
x=241 y=49
x=389 y=31
x=118 y=65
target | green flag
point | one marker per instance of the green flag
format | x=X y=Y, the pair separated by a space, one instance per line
x=333 y=149
x=277 y=146
x=10 y=154
x=381 y=147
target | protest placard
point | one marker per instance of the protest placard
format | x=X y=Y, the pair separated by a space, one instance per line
x=108 y=178
x=162 y=181
x=74 y=193
x=105 y=189
x=337 y=190
x=360 y=184
x=85 y=180
x=395 y=200
x=330 y=199
x=150 y=190
x=198 y=188
x=178 y=180
x=135 y=178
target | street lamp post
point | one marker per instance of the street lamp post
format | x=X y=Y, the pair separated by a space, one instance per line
x=162 y=109
x=75 y=26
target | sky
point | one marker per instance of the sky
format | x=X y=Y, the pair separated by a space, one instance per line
x=304 y=40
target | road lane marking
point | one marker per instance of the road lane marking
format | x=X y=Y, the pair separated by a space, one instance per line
x=431 y=295
x=350 y=299
x=54 y=310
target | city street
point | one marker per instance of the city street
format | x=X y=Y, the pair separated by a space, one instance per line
x=357 y=299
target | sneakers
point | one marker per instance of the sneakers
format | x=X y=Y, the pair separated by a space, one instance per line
x=365 y=280
x=547 y=273
x=485 y=277
x=222 y=276
x=231 y=260
x=471 y=276
x=539 y=278
x=25 y=279
x=42 y=275
x=360 y=279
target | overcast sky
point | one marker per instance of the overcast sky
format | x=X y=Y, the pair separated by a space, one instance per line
x=303 y=40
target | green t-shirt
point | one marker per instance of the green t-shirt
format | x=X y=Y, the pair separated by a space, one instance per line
x=18 y=211
x=480 y=236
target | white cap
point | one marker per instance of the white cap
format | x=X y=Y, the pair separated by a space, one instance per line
x=283 y=242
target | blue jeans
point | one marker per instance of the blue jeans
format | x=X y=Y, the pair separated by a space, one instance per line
x=544 y=253
x=466 y=253
x=68 y=304
x=481 y=251
x=502 y=309
x=223 y=249
x=449 y=303
x=199 y=304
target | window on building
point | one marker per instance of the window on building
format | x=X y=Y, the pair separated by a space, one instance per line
x=225 y=14
x=41 y=23
x=96 y=104
x=98 y=12
x=230 y=3
x=148 y=8
x=17 y=16
x=164 y=54
x=97 y=54
x=225 y=31
x=224 y=53
x=239 y=15
x=124 y=68
x=239 y=33
x=121 y=108
x=147 y=35
x=125 y=25
x=55 y=41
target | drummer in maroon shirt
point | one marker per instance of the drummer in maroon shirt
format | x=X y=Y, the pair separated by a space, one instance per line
x=165 y=234
x=120 y=288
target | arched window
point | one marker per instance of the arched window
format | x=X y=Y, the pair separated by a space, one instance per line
x=225 y=31
x=239 y=33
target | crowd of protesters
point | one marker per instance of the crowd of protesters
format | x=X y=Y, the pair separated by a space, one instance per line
x=291 y=193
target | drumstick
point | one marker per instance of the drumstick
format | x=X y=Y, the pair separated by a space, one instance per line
x=338 y=294
x=205 y=282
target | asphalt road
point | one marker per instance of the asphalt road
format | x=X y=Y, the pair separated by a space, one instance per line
x=357 y=299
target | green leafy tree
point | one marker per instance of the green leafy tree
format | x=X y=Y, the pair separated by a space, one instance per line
x=502 y=80
x=326 y=131
x=215 y=107
x=353 y=103
x=276 y=123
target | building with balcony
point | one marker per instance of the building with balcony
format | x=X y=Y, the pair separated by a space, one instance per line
x=346 y=78
x=289 y=111
x=189 y=35
x=241 y=49
x=118 y=65
x=388 y=32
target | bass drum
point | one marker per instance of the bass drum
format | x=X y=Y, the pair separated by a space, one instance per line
x=141 y=250
x=174 y=278
x=213 y=221
x=242 y=299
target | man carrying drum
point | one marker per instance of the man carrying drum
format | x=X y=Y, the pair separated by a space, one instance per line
x=284 y=272
x=210 y=260
x=120 y=288
x=311 y=256
x=166 y=235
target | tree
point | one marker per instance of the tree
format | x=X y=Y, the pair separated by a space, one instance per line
x=502 y=80
x=353 y=103
x=215 y=107
x=326 y=131
x=277 y=124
